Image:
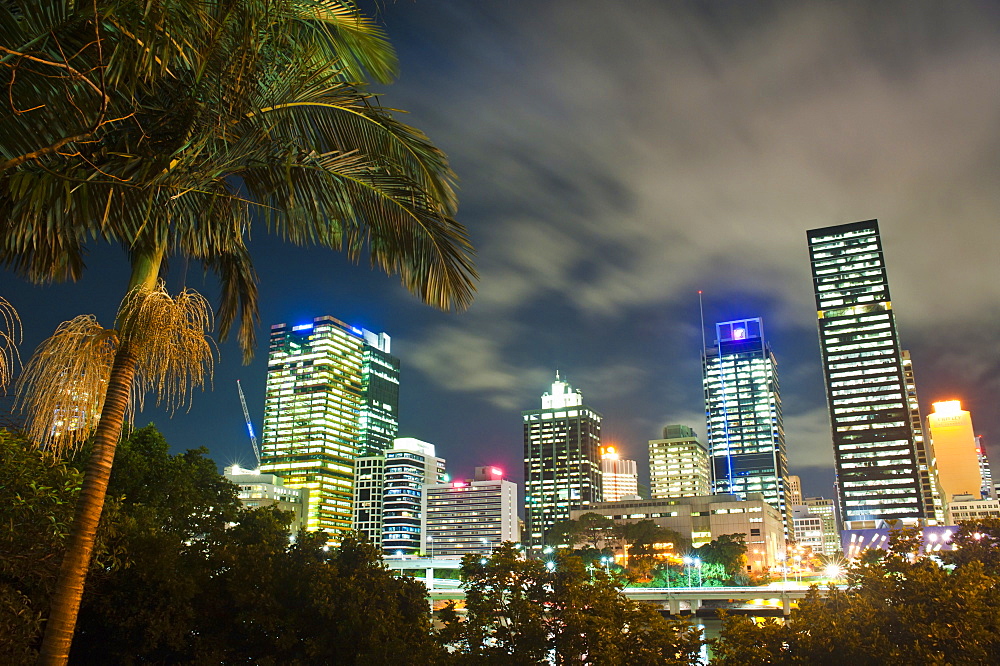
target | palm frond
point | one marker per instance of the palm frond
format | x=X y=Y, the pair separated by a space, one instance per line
x=62 y=388
x=10 y=338
x=170 y=337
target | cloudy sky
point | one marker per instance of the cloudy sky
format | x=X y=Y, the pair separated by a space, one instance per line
x=614 y=159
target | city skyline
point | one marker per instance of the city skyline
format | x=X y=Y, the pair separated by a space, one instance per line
x=598 y=220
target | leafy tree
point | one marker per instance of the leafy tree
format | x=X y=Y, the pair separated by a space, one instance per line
x=642 y=535
x=37 y=493
x=591 y=529
x=521 y=612
x=728 y=550
x=201 y=580
x=895 y=611
x=169 y=128
x=976 y=541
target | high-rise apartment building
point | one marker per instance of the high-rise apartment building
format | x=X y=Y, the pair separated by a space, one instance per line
x=332 y=394
x=926 y=463
x=473 y=516
x=679 y=464
x=954 y=444
x=878 y=477
x=984 y=469
x=619 y=477
x=562 y=465
x=746 y=438
x=389 y=494
x=409 y=465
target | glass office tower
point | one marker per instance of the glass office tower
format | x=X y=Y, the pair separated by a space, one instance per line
x=562 y=461
x=746 y=438
x=878 y=477
x=323 y=380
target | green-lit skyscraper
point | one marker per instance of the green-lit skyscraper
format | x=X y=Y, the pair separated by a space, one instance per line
x=332 y=396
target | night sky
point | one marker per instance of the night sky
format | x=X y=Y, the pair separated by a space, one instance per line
x=614 y=159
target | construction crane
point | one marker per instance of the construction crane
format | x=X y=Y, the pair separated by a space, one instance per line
x=246 y=415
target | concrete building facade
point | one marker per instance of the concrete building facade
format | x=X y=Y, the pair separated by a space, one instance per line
x=956 y=450
x=257 y=489
x=703 y=519
x=619 y=477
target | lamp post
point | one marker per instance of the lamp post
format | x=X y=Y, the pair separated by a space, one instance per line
x=430 y=546
x=697 y=565
x=687 y=566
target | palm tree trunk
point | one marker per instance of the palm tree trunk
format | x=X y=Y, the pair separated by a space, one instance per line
x=68 y=592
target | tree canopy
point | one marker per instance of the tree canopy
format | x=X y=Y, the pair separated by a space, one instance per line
x=523 y=611
x=186 y=575
x=895 y=611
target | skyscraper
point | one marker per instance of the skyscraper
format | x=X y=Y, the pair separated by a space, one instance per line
x=930 y=490
x=794 y=490
x=319 y=411
x=878 y=477
x=985 y=470
x=388 y=494
x=746 y=438
x=562 y=466
x=619 y=477
x=409 y=465
x=679 y=465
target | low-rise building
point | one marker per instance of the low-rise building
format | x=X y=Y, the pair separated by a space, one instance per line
x=815 y=524
x=256 y=490
x=705 y=518
x=966 y=507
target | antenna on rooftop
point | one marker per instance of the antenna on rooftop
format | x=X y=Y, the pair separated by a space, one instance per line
x=246 y=415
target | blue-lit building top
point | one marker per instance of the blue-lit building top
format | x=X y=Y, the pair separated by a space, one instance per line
x=746 y=438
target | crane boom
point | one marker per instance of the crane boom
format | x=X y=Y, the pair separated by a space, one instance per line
x=246 y=415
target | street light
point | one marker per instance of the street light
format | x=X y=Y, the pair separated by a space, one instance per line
x=697 y=565
x=550 y=565
x=687 y=566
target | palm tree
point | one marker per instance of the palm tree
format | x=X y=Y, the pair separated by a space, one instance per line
x=169 y=127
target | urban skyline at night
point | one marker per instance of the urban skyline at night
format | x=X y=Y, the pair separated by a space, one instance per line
x=596 y=222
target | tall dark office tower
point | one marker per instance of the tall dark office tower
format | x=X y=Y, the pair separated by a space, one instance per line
x=746 y=438
x=324 y=379
x=562 y=460
x=878 y=477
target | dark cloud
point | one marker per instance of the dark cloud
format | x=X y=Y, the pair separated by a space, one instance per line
x=617 y=157
x=626 y=157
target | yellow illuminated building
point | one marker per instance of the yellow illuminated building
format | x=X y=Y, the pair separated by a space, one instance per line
x=332 y=395
x=954 y=443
